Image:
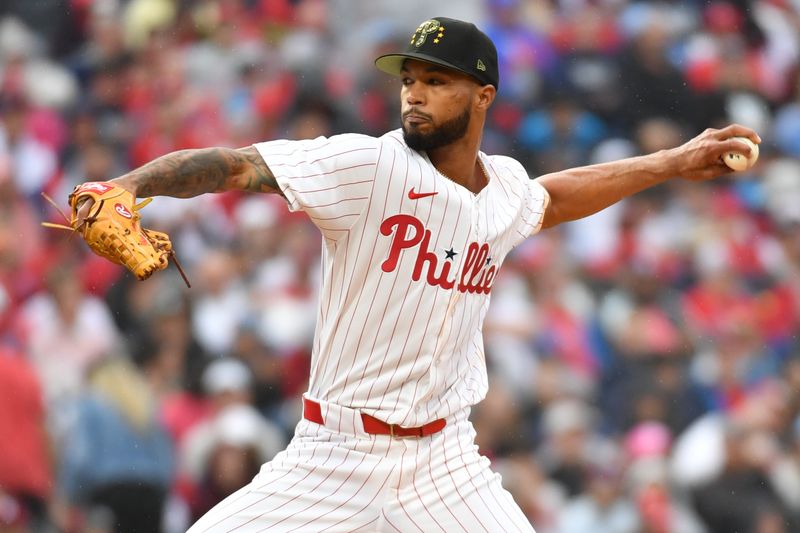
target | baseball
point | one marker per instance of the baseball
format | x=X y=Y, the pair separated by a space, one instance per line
x=737 y=161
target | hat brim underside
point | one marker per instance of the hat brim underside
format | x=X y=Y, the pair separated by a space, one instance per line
x=393 y=63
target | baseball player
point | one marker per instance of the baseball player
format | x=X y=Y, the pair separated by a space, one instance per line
x=415 y=225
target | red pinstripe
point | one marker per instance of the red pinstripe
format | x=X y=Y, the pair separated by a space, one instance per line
x=380 y=489
x=383 y=315
x=317 y=206
x=327 y=219
x=309 y=145
x=436 y=486
x=273 y=482
x=367 y=210
x=361 y=527
x=416 y=490
x=438 y=339
x=281 y=465
x=333 y=171
x=406 y=292
x=322 y=313
x=399 y=499
x=371 y=261
x=358 y=252
x=501 y=505
x=474 y=486
x=487 y=215
x=324 y=228
x=327 y=283
x=402 y=306
x=314 y=490
x=226 y=517
x=427 y=322
x=446 y=339
x=386 y=519
x=455 y=485
x=503 y=184
x=458 y=334
x=439 y=494
x=330 y=452
x=315 y=367
x=292 y=165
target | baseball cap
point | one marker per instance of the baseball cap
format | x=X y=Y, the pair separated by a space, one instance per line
x=450 y=43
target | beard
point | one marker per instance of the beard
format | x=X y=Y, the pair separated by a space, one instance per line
x=448 y=132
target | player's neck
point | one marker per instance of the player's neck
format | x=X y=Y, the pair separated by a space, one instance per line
x=458 y=162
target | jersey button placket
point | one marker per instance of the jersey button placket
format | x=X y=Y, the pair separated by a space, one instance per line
x=455 y=295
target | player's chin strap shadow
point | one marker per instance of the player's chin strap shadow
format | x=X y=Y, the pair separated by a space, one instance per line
x=89 y=220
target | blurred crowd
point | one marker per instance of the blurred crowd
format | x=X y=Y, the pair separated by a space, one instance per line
x=644 y=362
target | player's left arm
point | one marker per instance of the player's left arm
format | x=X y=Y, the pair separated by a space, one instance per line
x=583 y=191
x=188 y=173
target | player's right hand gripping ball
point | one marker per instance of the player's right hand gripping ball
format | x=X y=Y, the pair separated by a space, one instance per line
x=738 y=161
x=112 y=230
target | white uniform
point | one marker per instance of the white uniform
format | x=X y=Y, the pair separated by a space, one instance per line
x=409 y=258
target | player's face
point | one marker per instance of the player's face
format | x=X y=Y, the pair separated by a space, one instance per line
x=436 y=104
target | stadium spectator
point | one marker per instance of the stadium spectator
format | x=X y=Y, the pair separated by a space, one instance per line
x=117 y=456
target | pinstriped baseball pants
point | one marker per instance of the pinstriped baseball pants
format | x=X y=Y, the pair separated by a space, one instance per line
x=337 y=478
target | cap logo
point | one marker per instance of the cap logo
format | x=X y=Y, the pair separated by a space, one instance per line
x=426 y=28
x=481 y=66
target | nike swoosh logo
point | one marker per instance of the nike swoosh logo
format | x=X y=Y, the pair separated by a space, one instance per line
x=417 y=195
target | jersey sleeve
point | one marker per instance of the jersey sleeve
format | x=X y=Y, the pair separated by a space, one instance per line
x=537 y=199
x=533 y=202
x=329 y=178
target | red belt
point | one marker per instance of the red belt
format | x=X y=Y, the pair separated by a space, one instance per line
x=313 y=413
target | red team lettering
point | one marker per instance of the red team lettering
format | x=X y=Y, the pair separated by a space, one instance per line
x=408 y=232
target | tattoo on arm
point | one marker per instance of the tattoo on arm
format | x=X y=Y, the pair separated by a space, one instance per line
x=257 y=177
x=188 y=173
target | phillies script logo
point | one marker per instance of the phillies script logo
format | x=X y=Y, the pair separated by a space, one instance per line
x=408 y=232
x=122 y=210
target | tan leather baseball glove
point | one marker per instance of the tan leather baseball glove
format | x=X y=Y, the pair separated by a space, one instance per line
x=112 y=230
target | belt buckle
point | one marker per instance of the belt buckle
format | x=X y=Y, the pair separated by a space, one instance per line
x=396 y=436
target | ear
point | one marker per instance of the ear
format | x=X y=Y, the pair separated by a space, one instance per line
x=484 y=96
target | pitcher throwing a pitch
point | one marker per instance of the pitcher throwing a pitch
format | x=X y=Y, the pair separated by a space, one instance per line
x=415 y=225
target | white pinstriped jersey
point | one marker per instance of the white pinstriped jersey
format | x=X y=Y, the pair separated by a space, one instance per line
x=409 y=258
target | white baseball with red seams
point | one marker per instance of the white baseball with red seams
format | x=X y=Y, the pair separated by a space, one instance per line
x=409 y=258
